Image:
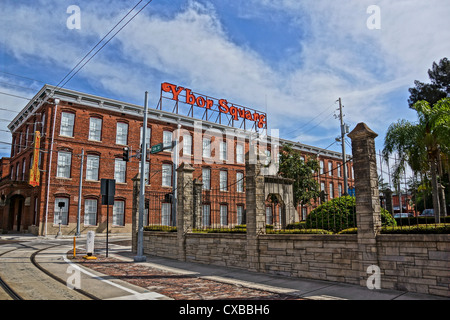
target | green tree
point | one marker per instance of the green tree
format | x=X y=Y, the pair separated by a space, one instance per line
x=439 y=87
x=421 y=144
x=292 y=166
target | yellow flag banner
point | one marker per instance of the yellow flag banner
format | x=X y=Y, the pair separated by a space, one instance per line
x=34 y=171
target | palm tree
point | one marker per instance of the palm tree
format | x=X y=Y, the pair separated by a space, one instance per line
x=421 y=144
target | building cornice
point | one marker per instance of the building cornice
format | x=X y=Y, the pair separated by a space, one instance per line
x=51 y=92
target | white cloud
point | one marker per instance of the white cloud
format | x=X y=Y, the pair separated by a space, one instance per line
x=340 y=57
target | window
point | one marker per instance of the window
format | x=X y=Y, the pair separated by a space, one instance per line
x=90 y=212
x=43 y=123
x=166 y=210
x=240 y=214
x=118 y=213
x=206 y=148
x=92 y=165
x=18 y=171
x=20 y=141
x=239 y=153
x=167 y=140
x=206 y=215
x=64 y=163
x=67 y=123
x=147 y=172
x=322 y=186
x=331 y=190
x=304 y=213
x=206 y=178
x=340 y=190
x=122 y=133
x=24 y=167
x=95 y=129
x=61 y=214
x=13 y=147
x=187 y=144
x=239 y=182
x=269 y=215
x=12 y=173
x=321 y=166
x=339 y=173
x=120 y=169
x=268 y=157
x=166 y=175
x=147 y=136
x=223 y=215
x=223 y=180
x=223 y=150
x=330 y=168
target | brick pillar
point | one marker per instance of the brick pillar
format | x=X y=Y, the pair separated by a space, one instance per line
x=255 y=208
x=198 y=185
x=135 y=212
x=367 y=196
x=185 y=206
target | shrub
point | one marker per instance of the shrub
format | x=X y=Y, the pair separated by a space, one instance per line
x=339 y=214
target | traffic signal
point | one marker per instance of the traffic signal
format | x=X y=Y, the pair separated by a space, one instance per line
x=126 y=154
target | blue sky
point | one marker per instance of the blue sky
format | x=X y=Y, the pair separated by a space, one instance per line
x=291 y=58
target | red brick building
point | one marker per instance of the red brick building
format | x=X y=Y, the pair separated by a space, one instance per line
x=74 y=125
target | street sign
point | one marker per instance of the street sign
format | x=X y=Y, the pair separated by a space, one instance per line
x=156 y=148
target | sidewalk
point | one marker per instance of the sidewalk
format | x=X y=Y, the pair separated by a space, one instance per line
x=178 y=280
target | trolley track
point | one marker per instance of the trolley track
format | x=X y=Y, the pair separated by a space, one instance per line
x=13 y=293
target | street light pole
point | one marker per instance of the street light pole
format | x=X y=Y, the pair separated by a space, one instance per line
x=140 y=239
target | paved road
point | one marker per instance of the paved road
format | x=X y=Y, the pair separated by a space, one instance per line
x=24 y=278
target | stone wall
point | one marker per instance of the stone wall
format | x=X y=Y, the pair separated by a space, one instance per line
x=415 y=263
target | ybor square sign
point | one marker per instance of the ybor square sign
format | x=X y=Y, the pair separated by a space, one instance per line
x=236 y=116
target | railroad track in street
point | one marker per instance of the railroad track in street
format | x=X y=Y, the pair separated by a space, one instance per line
x=23 y=278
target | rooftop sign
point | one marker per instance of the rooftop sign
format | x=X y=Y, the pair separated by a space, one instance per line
x=208 y=108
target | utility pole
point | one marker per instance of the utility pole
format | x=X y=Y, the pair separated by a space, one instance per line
x=344 y=157
x=80 y=188
x=140 y=239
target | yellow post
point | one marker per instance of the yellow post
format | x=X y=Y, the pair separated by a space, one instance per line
x=74 y=247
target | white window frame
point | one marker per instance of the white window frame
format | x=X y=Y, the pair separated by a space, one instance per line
x=64 y=212
x=240 y=214
x=122 y=133
x=239 y=182
x=64 y=164
x=166 y=175
x=240 y=153
x=330 y=168
x=187 y=145
x=118 y=213
x=223 y=151
x=331 y=190
x=120 y=170
x=206 y=147
x=67 y=124
x=321 y=164
x=223 y=180
x=206 y=215
x=223 y=215
x=167 y=140
x=95 y=129
x=90 y=212
x=92 y=167
x=206 y=178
